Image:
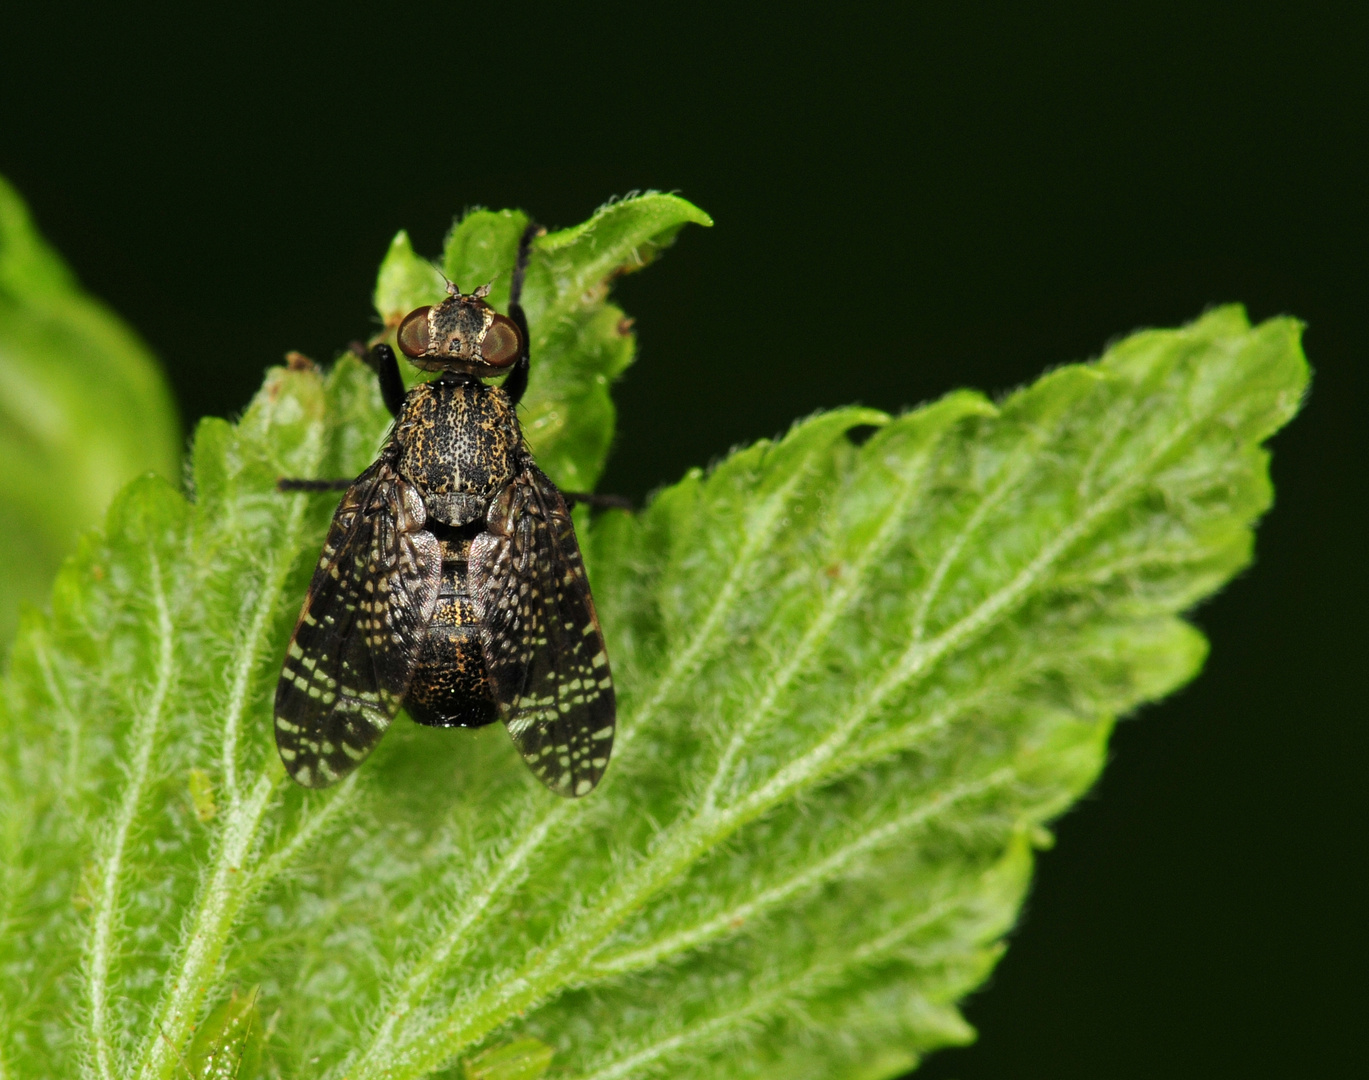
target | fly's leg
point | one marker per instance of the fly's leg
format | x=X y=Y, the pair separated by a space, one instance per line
x=382 y=360
x=599 y=502
x=517 y=382
x=290 y=483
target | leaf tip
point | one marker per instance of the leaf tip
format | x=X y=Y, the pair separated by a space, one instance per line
x=405 y=281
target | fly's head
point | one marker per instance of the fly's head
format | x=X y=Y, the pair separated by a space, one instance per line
x=463 y=333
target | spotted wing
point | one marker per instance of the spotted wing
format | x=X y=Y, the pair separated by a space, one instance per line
x=544 y=651
x=361 y=630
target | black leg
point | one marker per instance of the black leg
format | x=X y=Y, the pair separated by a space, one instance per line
x=517 y=382
x=599 y=502
x=287 y=483
x=382 y=359
x=520 y=266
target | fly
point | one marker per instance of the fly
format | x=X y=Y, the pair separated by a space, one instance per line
x=451 y=580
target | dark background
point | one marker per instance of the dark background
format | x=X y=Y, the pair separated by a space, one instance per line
x=984 y=191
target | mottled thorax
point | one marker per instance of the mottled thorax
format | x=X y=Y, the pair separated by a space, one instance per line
x=460 y=444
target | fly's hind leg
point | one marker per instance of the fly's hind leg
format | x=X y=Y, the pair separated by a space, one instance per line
x=599 y=502
x=291 y=483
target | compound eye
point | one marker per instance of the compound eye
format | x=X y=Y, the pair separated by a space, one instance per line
x=413 y=333
x=502 y=342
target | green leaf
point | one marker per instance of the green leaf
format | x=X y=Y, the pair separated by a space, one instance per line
x=83 y=409
x=855 y=683
x=405 y=281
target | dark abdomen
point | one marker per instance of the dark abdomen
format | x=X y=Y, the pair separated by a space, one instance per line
x=449 y=687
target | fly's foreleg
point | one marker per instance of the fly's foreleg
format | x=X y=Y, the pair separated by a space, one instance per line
x=517 y=382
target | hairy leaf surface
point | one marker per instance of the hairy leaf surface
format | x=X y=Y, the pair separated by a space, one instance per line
x=856 y=681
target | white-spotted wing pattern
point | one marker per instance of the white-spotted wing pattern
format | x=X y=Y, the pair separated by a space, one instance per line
x=360 y=632
x=544 y=650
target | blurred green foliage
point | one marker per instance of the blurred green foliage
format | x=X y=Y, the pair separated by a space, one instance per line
x=83 y=409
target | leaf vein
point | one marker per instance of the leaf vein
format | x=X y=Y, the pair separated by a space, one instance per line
x=142 y=737
x=809 y=878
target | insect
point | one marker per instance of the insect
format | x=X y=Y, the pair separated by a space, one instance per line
x=451 y=581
